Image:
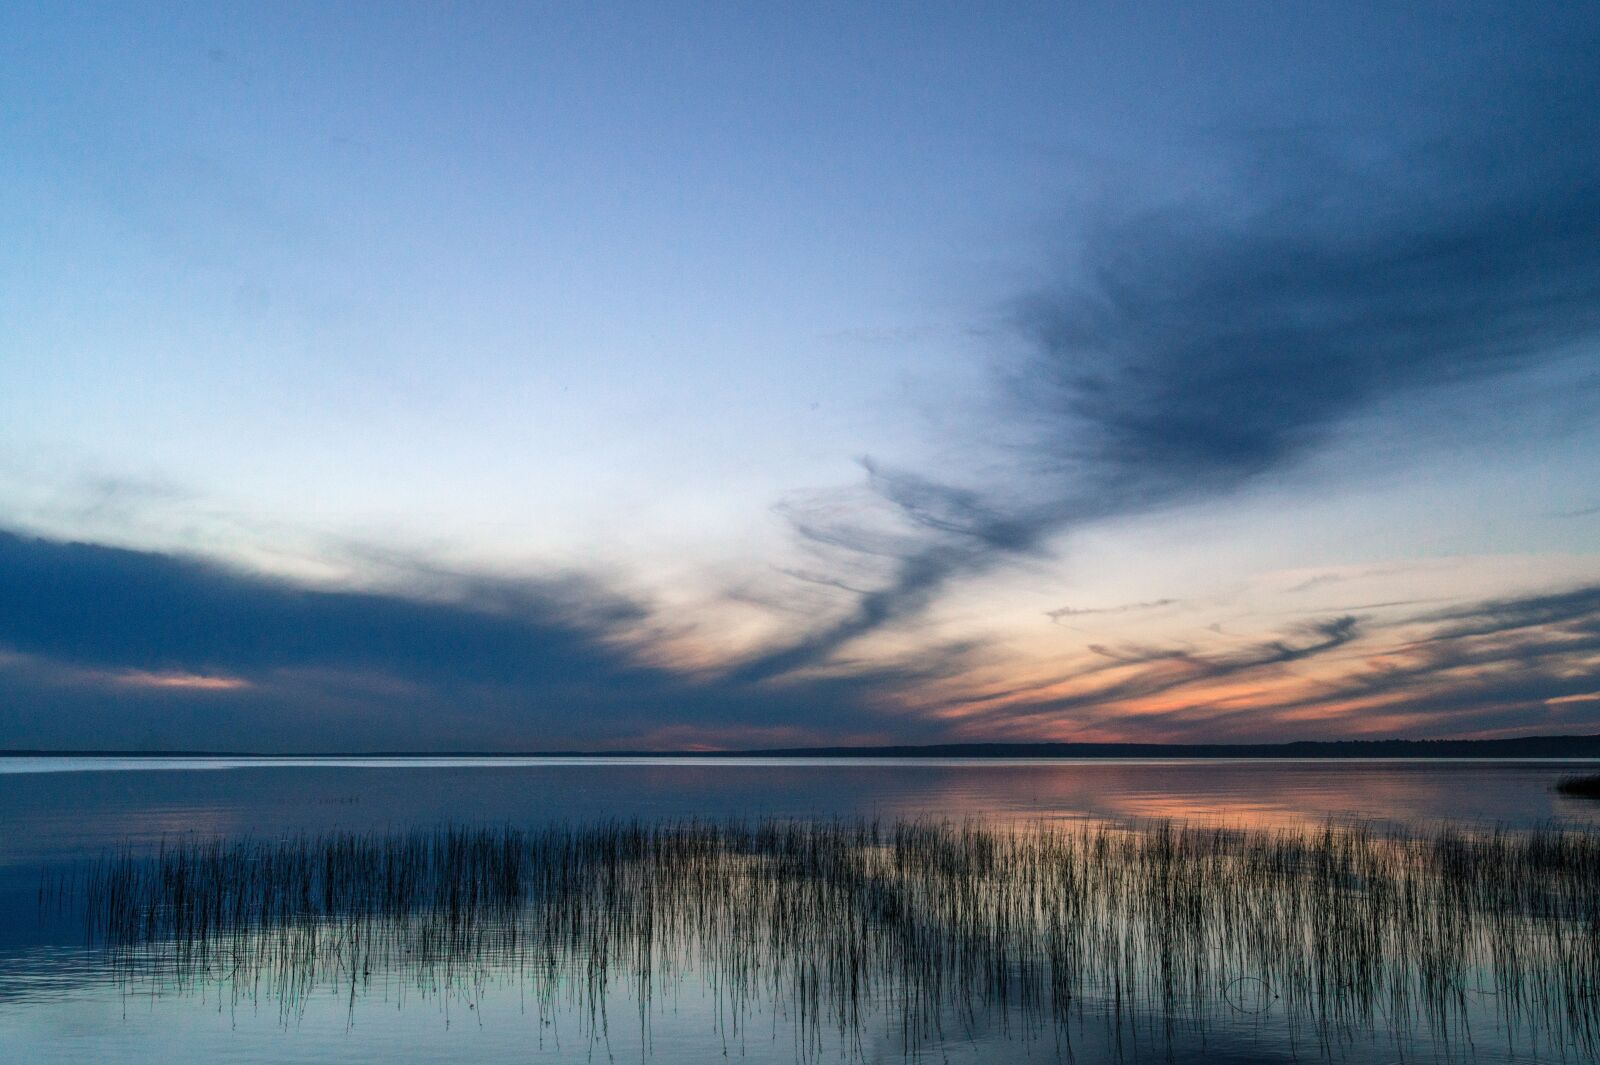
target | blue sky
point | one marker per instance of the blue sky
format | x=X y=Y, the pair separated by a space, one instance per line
x=828 y=373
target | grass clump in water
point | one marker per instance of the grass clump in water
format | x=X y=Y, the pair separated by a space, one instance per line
x=1584 y=787
x=903 y=927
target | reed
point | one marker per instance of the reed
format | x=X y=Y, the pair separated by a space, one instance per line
x=846 y=925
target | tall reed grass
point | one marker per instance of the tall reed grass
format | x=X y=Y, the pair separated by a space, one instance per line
x=848 y=927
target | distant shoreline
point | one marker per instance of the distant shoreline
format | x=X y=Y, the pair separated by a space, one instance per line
x=1524 y=747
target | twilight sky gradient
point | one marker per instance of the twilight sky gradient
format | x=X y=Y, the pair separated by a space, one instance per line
x=564 y=376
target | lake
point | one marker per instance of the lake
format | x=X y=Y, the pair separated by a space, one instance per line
x=709 y=952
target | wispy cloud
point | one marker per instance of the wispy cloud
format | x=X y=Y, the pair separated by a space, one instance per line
x=1060 y=614
x=1190 y=349
x=198 y=682
x=1498 y=666
x=119 y=648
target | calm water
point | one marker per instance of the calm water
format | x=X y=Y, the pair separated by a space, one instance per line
x=60 y=1002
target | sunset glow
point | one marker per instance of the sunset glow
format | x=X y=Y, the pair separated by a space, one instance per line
x=527 y=378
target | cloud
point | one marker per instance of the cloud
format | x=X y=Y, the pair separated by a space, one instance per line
x=1059 y=614
x=103 y=606
x=109 y=647
x=138 y=678
x=1188 y=350
x=1494 y=667
x=1136 y=672
x=1499 y=616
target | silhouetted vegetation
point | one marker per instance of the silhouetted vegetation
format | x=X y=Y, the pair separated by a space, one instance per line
x=1587 y=787
x=1340 y=931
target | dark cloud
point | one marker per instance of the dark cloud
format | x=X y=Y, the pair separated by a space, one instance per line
x=1579 y=607
x=1190 y=349
x=1142 y=672
x=108 y=647
x=1180 y=352
x=952 y=530
x=1504 y=664
x=1496 y=666
x=108 y=607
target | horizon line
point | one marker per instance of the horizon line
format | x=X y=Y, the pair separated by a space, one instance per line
x=1025 y=748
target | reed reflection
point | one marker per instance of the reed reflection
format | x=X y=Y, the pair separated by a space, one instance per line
x=912 y=931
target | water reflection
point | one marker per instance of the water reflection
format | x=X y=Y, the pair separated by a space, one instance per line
x=420 y=1000
x=1155 y=941
x=45 y=815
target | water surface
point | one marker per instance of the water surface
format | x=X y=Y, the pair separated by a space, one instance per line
x=60 y=1002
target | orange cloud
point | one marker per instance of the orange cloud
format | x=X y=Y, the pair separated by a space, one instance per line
x=185 y=681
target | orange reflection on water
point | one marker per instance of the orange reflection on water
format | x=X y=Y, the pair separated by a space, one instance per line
x=1245 y=793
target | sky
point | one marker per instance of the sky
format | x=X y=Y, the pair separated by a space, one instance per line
x=564 y=376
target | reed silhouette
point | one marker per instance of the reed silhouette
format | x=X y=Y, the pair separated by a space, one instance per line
x=858 y=927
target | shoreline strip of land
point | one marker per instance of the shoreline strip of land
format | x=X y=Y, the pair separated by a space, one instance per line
x=1542 y=747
